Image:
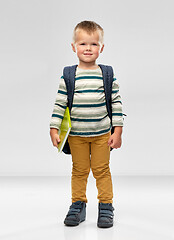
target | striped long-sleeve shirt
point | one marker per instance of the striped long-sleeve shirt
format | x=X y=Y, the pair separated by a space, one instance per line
x=89 y=116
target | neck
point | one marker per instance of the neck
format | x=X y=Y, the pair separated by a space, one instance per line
x=85 y=65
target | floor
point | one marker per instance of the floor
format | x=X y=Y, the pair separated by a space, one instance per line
x=33 y=208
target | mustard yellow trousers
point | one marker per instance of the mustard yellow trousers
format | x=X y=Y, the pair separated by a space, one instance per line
x=91 y=153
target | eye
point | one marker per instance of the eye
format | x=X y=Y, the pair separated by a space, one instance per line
x=82 y=43
x=94 y=44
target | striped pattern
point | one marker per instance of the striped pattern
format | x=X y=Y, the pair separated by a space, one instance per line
x=89 y=114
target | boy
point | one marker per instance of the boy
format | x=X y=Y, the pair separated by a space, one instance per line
x=90 y=138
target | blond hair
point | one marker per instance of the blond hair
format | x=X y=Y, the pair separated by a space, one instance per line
x=90 y=27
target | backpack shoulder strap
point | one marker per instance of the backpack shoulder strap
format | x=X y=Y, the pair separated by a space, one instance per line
x=107 y=72
x=69 y=78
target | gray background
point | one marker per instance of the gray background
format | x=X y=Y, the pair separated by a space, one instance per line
x=34 y=48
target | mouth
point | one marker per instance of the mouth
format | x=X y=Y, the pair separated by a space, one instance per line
x=87 y=54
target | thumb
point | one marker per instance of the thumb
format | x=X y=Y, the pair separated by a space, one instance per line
x=57 y=139
x=110 y=141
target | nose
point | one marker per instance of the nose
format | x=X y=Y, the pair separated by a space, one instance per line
x=88 y=47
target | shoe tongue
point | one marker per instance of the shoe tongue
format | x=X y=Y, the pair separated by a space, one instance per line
x=105 y=205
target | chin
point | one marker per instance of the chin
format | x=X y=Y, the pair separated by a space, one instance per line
x=87 y=60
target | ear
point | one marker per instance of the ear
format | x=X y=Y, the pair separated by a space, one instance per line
x=73 y=47
x=102 y=48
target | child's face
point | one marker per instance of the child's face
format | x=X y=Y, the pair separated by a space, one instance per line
x=87 y=47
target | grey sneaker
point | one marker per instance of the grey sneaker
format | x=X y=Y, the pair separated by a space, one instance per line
x=76 y=214
x=105 y=215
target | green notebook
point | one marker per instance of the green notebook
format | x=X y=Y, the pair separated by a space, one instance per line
x=64 y=129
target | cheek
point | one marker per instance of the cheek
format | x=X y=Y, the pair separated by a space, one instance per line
x=96 y=51
x=80 y=50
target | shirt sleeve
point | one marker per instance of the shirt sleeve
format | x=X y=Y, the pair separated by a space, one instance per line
x=59 y=105
x=117 y=114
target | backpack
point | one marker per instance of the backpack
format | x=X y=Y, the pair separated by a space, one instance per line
x=69 y=78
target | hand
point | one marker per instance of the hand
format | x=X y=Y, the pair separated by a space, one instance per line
x=54 y=137
x=115 y=139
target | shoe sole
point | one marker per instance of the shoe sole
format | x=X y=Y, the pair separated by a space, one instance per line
x=73 y=224
x=105 y=225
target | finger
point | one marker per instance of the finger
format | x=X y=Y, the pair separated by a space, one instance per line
x=110 y=141
x=112 y=145
x=57 y=138
x=55 y=144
